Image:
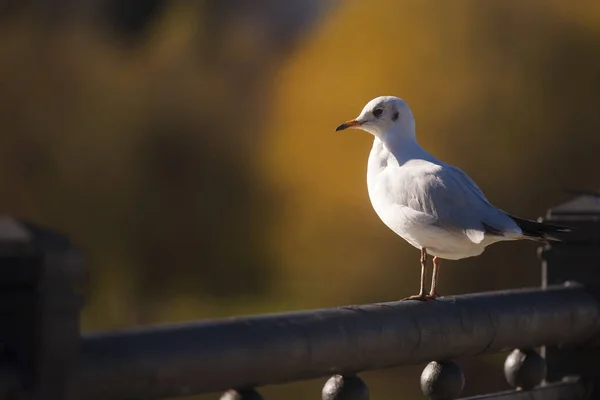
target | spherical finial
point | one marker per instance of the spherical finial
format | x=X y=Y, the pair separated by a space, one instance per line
x=524 y=369
x=442 y=380
x=241 y=395
x=350 y=387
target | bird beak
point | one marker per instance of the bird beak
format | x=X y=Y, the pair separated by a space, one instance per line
x=349 y=124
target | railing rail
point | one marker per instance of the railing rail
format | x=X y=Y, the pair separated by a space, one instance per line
x=566 y=390
x=247 y=352
x=44 y=356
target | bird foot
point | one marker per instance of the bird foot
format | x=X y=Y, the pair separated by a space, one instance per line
x=418 y=297
x=432 y=296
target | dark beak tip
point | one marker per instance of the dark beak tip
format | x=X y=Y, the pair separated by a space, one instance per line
x=340 y=128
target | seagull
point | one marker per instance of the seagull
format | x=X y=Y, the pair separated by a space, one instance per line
x=432 y=205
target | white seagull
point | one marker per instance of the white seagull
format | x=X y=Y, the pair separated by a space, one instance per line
x=434 y=206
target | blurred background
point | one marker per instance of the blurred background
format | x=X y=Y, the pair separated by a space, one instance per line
x=188 y=147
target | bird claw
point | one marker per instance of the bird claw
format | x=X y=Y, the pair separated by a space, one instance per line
x=418 y=297
x=422 y=297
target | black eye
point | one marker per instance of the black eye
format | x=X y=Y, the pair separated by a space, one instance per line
x=377 y=112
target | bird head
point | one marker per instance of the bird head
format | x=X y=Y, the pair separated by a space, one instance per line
x=382 y=115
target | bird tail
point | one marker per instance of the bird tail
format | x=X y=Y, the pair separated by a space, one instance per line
x=540 y=231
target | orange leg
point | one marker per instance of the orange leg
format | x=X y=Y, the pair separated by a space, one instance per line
x=433 y=292
x=421 y=296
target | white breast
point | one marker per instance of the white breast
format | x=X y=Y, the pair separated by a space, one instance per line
x=388 y=185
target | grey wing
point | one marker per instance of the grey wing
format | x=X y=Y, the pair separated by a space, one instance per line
x=459 y=205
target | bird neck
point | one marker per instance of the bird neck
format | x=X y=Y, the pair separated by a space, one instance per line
x=403 y=145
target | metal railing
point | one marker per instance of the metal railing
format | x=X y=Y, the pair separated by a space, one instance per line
x=43 y=355
x=256 y=351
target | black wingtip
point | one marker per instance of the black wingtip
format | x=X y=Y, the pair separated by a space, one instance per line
x=540 y=230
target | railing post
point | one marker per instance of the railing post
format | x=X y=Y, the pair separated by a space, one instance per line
x=576 y=259
x=39 y=312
